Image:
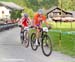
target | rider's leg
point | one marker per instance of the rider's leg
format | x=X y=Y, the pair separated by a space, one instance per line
x=37 y=35
x=22 y=34
x=38 y=31
x=21 y=31
x=26 y=35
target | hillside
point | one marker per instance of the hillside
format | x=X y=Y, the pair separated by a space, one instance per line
x=67 y=4
x=46 y=4
x=35 y=4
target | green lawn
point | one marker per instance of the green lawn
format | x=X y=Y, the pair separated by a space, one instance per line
x=67 y=41
x=63 y=25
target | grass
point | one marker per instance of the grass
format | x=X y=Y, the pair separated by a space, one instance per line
x=68 y=25
x=66 y=40
x=67 y=43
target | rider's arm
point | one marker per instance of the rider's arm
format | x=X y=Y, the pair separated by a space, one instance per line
x=44 y=18
x=29 y=21
x=46 y=23
x=21 y=21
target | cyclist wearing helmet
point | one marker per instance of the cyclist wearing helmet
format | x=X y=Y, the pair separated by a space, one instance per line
x=39 y=17
x=24 y=23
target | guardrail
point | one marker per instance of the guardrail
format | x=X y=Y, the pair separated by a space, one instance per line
x=69 y=36
x=7 y=26
x=59 y=31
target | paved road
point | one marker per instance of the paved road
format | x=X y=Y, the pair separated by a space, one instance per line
x=12 y=51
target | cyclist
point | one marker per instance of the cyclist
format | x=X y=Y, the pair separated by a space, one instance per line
x=24 y=23
x=39 y=17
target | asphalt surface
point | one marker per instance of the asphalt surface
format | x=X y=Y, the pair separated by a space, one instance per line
x=11 y=50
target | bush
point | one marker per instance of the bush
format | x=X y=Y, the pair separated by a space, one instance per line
x=29 y=11
x=15 y=14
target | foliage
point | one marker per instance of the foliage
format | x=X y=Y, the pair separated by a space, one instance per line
x=29 y=11
x=15 y=14
x=67 y=4
x=31 y=6
x=12 y=15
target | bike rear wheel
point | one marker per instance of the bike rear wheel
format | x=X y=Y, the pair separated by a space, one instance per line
x=33 y=40
x=46 y=45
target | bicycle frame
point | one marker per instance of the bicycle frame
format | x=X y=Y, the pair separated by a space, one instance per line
x=42 y=33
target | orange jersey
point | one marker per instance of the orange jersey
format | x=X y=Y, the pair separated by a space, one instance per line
x=38 y=19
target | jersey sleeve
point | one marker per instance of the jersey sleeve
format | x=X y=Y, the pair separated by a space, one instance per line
x=44 y=18
x=35 y=19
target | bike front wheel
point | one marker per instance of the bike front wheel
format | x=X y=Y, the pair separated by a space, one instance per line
x=26 y=39
x=46 y=45
x=33 y=40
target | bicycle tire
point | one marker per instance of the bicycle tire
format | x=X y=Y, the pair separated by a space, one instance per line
x=33 y=38
x=42 y=45
x=26 y=39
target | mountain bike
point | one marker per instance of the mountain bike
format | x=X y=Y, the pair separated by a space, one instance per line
x=25 y=37
x=44 y=40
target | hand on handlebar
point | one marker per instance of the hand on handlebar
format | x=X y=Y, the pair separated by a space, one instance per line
x=31 y=26
x=49 y=27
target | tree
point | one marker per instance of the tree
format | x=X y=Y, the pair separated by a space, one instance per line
x=67 y=4
x=15 y=14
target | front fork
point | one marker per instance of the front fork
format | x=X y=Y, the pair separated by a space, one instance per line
x=42 y=35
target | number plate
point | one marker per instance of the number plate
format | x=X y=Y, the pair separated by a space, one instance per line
x=45 y=29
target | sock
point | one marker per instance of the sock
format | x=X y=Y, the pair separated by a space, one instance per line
x=36 y=42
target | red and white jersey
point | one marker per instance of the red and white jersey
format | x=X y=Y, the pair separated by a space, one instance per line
x=24 y=21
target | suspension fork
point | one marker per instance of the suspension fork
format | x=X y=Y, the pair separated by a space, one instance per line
x=26 y=32
x=43 y=33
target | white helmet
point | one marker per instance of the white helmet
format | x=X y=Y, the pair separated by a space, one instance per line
x=40 y=11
